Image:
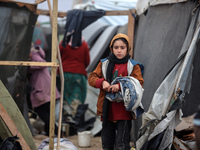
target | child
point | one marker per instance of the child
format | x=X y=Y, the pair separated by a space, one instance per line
x=116 y=120
x=40 y=81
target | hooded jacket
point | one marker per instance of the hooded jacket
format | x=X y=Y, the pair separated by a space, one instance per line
x=40 y=80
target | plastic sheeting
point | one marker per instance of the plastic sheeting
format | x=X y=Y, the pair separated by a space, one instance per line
x=17 y=24
x=178 y=79
x=109 y=5
x=100 y=46
x=159 y=38
x=142 y=5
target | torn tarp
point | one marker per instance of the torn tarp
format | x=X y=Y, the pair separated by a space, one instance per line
x=165 y=111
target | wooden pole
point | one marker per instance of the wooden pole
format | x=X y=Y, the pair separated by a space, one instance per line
x=62 y=82
x=62 y=14
x=130 y=32
x=53 y=75
x=27 y=63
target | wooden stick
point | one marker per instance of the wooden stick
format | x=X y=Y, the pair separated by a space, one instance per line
x=53 y=75
x=130 y=32
x=62 y=14
x=61 y=98
x=27 y=63
x=117 y=13
x=62 y=82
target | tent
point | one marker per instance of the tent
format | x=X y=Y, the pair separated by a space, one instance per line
x=166 y=42
x=17 y=23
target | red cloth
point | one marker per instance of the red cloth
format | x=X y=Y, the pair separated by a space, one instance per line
x=75 y=60
x=117 y=110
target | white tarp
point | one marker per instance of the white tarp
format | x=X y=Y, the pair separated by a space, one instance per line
x=109 y=5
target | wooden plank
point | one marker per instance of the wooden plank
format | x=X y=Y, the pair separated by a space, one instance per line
x=27 y=63
x=15 y=114
x=13 y=129
x=117 y=13
x=32 y=2
x=130 y=32
x=53 y=74
x=4 y=131
x=62 y=14
x=46 y=13
x=32 y=8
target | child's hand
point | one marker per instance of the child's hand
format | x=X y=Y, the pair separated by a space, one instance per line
x=114 y=88
x=105 y=86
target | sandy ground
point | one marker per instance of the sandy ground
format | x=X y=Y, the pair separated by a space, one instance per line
x=95 y=142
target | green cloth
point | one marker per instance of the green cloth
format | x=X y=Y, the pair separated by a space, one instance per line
x=75 y=87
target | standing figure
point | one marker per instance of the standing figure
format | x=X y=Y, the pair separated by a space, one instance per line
x=40 y=81
x=74 y=62
x=116 y=119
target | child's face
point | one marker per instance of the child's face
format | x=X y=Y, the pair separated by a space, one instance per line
x=119 y=49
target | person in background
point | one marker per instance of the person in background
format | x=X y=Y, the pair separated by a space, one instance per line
x=40 y=81
x=116 y=120
x=74 y=62
x=196 y=122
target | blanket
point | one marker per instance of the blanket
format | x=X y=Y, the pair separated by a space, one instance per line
x=131 y=93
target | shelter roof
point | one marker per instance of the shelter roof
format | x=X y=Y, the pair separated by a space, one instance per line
x=32 y=2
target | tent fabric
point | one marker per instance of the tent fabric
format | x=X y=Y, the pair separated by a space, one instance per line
x=100 y=46
x=17 y=26
x=143 y=5
x=91 y=32
x=158 y=41
x=181 y=84
x=109 y=5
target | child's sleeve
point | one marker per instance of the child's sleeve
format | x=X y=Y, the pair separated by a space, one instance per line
x=137 y=74
x=95 y=78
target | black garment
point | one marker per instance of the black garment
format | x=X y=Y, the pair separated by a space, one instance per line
x=77 y=20
x=43 y=112
x=11 y=143
x=116 y=135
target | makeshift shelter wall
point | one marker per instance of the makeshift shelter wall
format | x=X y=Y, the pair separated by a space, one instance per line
x=159 y=36
x=17 y=24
